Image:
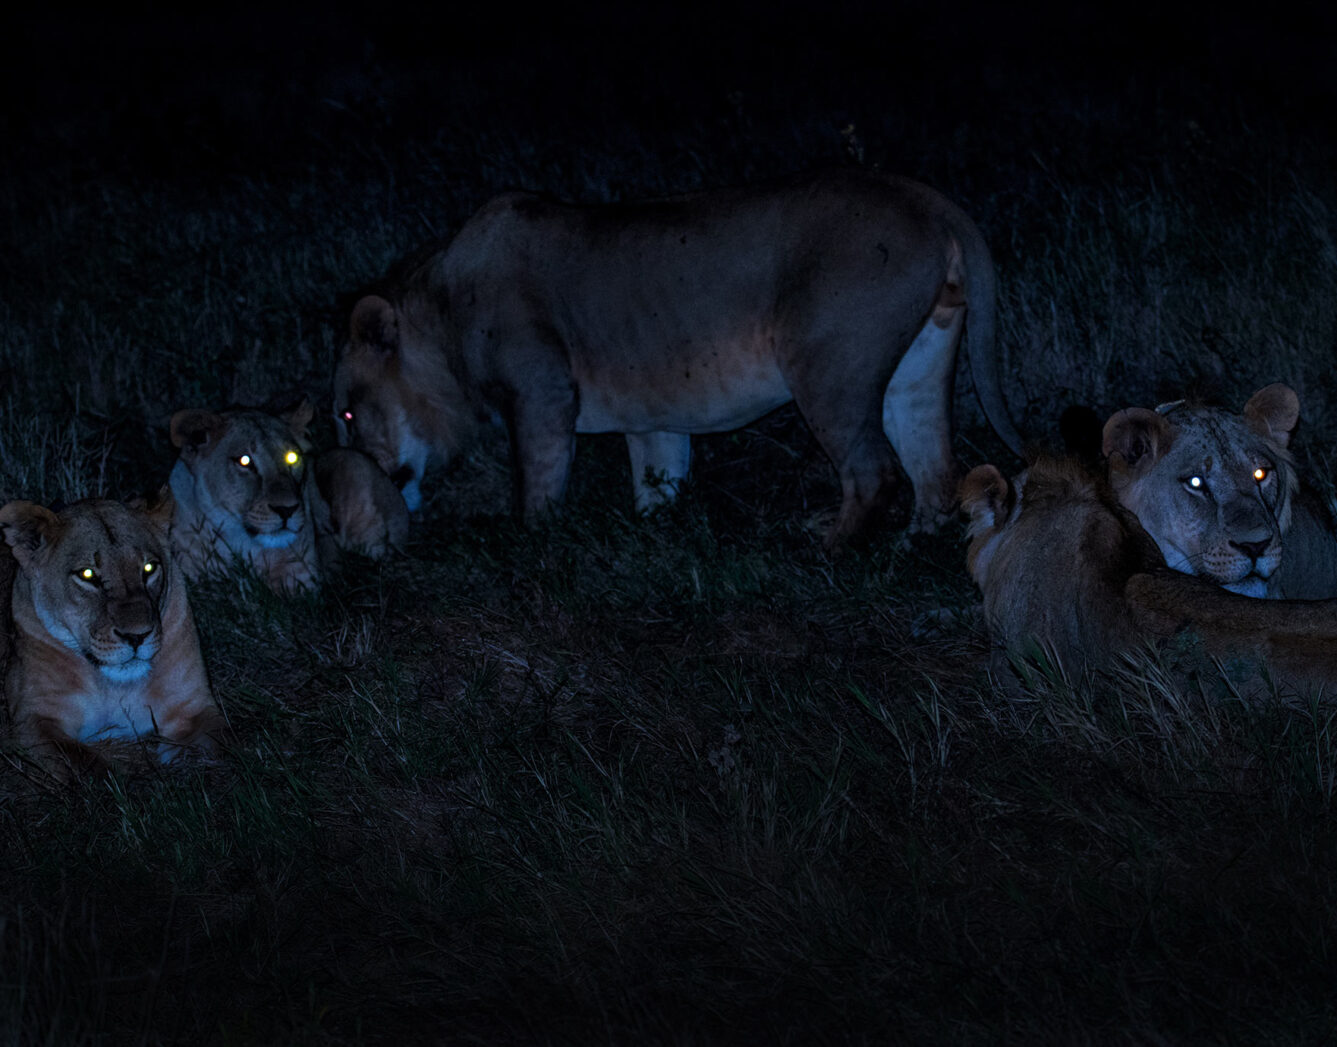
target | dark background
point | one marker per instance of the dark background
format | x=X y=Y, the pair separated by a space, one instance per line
x=184 y=95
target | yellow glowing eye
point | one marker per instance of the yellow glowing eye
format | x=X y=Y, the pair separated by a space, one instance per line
x=88 y=574
x=244 y=461
x=292 y=457
x=150 y=567
x=1260 y=474
x=1195 y=482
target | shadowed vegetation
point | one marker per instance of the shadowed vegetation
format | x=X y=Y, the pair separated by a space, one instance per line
x=684 y=779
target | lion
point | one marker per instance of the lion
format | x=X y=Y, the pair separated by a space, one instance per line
x=1220 y=495
x=355 y=506
x=846 y=292
x=103 y=649
x=238 y=488
x=1065 y=567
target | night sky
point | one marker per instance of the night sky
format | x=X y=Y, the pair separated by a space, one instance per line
x=171 y=94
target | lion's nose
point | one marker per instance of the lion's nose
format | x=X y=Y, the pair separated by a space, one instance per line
x=1253 y=550
x=134 y=639
x=283 y=511
x=401 y=476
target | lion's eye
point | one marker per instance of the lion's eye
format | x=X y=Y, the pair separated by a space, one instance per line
x=292 y=457
x=1194 y=483
x=150 y=568
x=1260 y=474
x=348 y=416
x=244 y=461
x=87 y=575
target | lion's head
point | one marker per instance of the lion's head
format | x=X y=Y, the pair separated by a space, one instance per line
x=239 y=489
x=395 y=397
x=97 y=576
x=1214 y=489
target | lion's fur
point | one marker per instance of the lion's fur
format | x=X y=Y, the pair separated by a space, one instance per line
x=355 y=506
x=1188 y=471
x=107 y=659
x=1062 y=565
x=846 y=292
x=255 y=513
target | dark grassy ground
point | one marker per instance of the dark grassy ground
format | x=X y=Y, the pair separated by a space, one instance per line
x=684 y=779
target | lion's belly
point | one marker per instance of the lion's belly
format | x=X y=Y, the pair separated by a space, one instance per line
x=706 y=392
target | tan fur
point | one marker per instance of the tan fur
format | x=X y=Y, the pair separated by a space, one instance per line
x=1064 y=566
x=255 y=513
x=846 y=292
x=355 y=506
x=108 y=659
x=1189 y=473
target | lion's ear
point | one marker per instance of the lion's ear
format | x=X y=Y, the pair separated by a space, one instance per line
x=26 y=526
x=1273 y=411
x=194 y=427
x=158 y=509
x=1135 y=439
x=984 y=498
x=375 y=324
x=298 y=417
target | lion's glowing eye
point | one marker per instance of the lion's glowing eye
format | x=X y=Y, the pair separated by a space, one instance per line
x=88 y=574
x=1260 y=474
x=150 y=567
x=1195 y=482
x=244 y=461
x=348 y=416
x=292 y=457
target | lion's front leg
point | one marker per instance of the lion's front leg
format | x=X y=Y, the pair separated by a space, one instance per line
x=659 y=463
x=543 y=443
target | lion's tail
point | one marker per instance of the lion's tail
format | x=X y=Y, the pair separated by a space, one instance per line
x=981 y=323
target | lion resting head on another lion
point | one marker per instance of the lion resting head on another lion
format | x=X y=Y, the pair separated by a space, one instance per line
x=1063 y=565
x=1219 y=493
x=1213 y=488
x=104 y=648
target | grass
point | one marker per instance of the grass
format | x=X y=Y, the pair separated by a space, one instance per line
x=684 y=779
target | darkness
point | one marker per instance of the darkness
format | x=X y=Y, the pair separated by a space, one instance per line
x=171 y=94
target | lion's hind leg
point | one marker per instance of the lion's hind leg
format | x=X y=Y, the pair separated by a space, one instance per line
x=659 y=463
x=917 y=416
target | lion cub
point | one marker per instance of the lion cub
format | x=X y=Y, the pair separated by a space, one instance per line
x=1063 y=565
x=104 y=647
x=355 y=506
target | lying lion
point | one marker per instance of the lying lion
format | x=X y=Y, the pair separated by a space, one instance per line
x=248 y=490
x=847 y=293
x=1221 y=496
x=102 y=646
x=1062 y=565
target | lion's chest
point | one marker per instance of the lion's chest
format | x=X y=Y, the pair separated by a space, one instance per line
x=109 y=713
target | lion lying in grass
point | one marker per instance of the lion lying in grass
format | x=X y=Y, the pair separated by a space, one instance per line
x=248 y=492
x=1221 y=495
x=1063 y=566
x=102 y=647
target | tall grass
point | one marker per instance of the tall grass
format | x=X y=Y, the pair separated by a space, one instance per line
x=682 y=779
